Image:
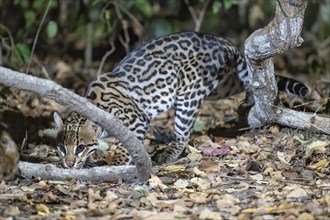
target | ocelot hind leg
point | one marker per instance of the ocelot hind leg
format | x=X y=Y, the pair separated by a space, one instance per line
x=185 y=116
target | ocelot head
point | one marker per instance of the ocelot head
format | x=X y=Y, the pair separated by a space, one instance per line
x=77 y=139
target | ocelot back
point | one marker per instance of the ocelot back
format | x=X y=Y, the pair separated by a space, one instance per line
x=180 y=71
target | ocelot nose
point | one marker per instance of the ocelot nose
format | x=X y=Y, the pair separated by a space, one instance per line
x=69 y=163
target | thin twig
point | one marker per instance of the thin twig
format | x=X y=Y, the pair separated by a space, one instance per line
x=197 y=19
x=37 y=35
x=105 y=57
x=132 y=17
x=10 y=47
x=11 y=39
x=191 y=10
x=201 y=16
x=125 y=42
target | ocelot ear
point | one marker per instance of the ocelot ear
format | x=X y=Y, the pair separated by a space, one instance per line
x=58 y=122
x=101 y=133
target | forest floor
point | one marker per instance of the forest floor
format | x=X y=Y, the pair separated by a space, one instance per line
x=268 y=173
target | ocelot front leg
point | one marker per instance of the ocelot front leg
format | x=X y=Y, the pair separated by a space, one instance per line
x=185 y=116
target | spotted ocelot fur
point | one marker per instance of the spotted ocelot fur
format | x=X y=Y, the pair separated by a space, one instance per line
x=179 y=71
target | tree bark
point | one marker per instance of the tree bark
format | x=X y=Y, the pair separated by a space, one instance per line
x=49 y=89
x=93 y=175
x=282 y=33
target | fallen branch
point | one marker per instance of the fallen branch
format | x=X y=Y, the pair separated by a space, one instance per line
x=302 y=120
x=282 y=33
x=93 y=175
x=52 y=90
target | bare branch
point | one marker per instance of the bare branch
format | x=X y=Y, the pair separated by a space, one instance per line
x=134 y=19
x=50 y=89
x=94 y=175
x=37 y=34
x=106 y=55
x=124 y=42
x=198 y=20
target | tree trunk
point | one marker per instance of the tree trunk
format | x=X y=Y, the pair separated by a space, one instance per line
x=282 y=33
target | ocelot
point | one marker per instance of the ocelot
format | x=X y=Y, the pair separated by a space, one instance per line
x=179 y=71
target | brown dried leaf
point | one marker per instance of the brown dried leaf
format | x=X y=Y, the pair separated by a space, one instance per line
x=155 y=183
x=11 y=211
x=209 y=166
x=43 y=210
x=206 y=214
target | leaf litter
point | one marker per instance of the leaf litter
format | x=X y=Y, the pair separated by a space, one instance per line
x=271 y=173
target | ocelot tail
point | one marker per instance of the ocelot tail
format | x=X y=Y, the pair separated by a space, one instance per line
x=179 y=71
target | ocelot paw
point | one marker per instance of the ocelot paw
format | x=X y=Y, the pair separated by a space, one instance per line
x=162 y=135
x=165 y=156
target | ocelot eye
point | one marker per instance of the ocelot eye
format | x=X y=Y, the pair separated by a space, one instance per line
x=61 y=148
x=80 y=148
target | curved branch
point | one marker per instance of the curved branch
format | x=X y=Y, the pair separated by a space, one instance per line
x=282 y=33
x=52 y=90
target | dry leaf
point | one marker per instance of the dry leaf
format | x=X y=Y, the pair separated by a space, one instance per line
x=226 y=201
x=174 y=168
x=201 y=182
x=320 y=164
x=155 y=182
x=160 y=216
x=194 y=155
x=297 y=193
x=181 y=183
x=305 y=216
x=198 y=172
x=283 y=157
x=69 y=215
x=207 y=214
x=11 y=211
x=42 y=210
x=27 y=189
x=317 y=147
x=277 y=175
x=274 y=129
x=290 y=175
x=209 y=166
x=42 y=183
x=257 y=177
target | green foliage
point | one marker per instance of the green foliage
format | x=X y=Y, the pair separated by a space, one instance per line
x=52 y=29
x=229 y=3
x=216 y=6
x=158 y=18
x=268 y=7
x=20 y=55
x=30 y=18
x=160 y=27
x=144 y=6
x=199 y=126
